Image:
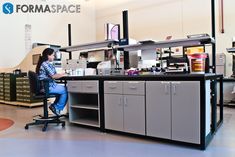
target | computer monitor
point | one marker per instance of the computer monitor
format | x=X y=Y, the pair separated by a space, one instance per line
x=92 y=64
x=58 y=56
x=112 y=32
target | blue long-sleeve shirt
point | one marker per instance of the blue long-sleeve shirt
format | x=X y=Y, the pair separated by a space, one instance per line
x=47 y=70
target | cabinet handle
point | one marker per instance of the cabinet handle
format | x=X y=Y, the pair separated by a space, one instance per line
x=174 y=84
x=112 y=87
x=88 y=86
x=125 y=101
x=166 y=89
x=73 y=86
x=174 y=89
x=120 y=102
x=133 y=87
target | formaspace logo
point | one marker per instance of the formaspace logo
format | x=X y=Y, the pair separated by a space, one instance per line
x=9 y=8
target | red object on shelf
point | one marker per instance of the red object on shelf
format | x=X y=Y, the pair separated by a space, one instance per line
x=197 y=56
x=197 y=62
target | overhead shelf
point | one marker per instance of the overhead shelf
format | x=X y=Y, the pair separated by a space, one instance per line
x=90 y=46
x=231 y=50
x=166 y=44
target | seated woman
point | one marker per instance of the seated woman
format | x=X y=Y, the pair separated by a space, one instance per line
x=46 y=70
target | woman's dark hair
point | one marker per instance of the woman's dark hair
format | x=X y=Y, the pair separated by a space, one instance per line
x=44 y=57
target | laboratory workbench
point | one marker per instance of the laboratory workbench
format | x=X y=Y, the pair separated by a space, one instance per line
x=146 y=77
x=178 y=108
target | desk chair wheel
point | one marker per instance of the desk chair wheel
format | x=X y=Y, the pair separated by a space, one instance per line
x=26 y=127
x=45 y=127
x=63 y=125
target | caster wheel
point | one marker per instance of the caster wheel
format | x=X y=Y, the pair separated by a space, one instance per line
x=26 y=127
x=63 y=125
x=44 y=129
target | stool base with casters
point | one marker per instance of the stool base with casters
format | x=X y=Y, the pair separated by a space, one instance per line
x=45 y=122
x=34 y=89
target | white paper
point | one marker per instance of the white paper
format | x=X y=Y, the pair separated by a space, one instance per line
x=104 y=65
x=148 y=54
x=28 y=38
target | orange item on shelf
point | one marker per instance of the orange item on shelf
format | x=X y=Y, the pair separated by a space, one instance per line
x=197 y=63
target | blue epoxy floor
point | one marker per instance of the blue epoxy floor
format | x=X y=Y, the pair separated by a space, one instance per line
x=81 y=142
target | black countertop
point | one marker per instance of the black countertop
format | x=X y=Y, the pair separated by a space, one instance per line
x=161 y=77
x=229 y=79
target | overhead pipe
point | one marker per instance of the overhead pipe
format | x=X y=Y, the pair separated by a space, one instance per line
x=221 y=8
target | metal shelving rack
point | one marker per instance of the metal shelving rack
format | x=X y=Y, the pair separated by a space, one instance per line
x=2 y=87
x=23 y=93
x=231 y=50
x=102 y=45
x=9 y=87
x=195 y=41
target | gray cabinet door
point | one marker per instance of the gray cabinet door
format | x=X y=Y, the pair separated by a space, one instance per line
x=158 y=109
x=134 y=114
x=113 y=104
x=186 y=111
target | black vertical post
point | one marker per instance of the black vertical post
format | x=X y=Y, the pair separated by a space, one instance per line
x=213 y=36
x=126 y=37
x=69 y=39
x=214 y=105
x=221 y=99
x=125 y=25
x=102 y=109
x=203 y=114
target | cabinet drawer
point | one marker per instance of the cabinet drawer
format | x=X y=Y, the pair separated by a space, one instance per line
x=134 y=87
x=74 y=86
x=90 y=86
x=114 y=87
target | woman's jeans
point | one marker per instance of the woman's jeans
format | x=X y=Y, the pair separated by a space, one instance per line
x=61 y=96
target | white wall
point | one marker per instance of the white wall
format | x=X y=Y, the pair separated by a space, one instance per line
x=27 y=63
x=148 y=19
x=225 y=40
x=46 y=28
x=158 y=18
x=155 y=19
